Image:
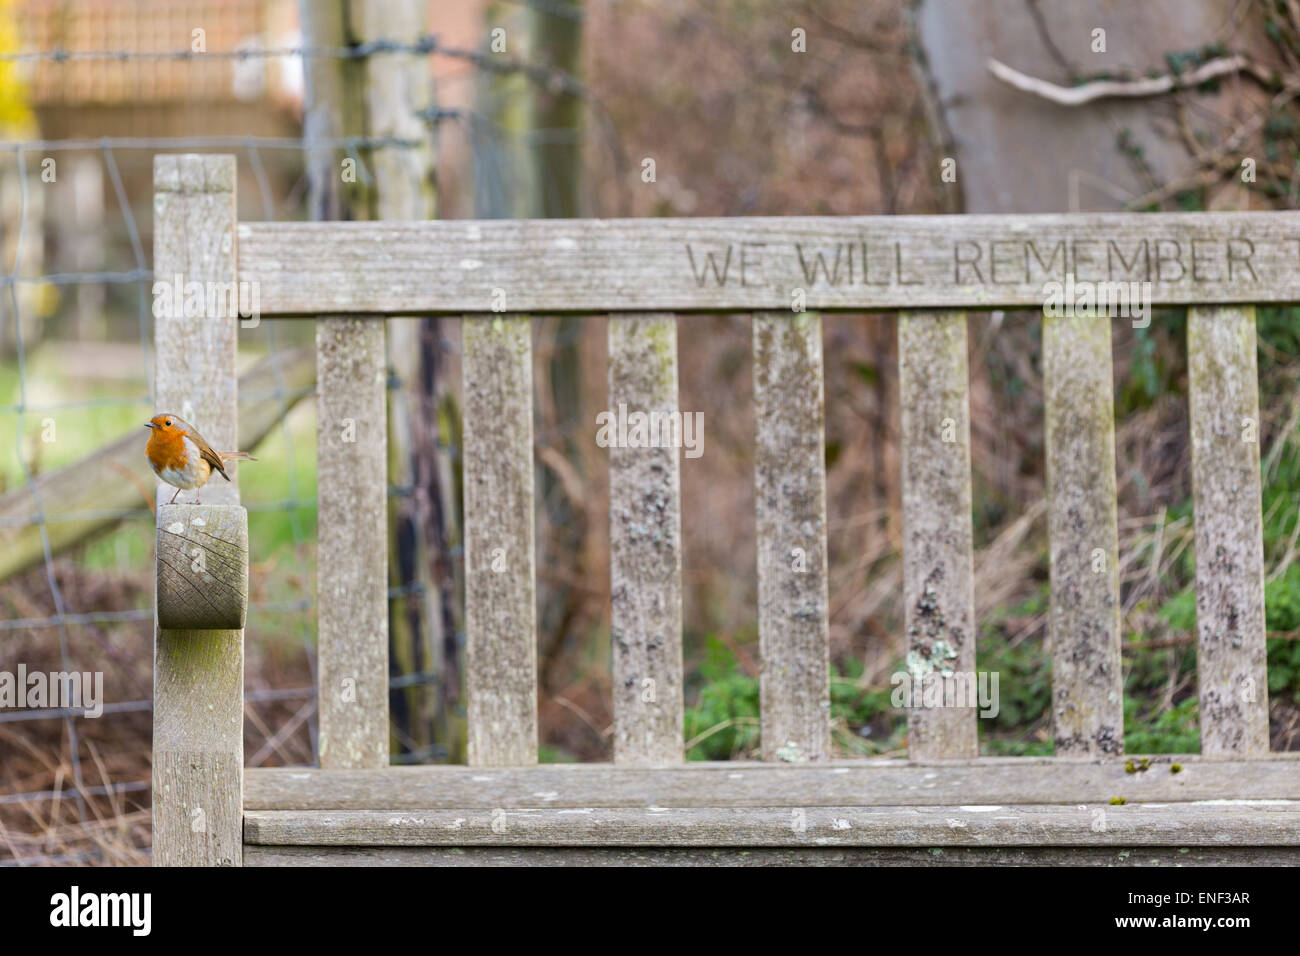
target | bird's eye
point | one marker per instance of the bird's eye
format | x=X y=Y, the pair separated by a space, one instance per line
x=168 y=423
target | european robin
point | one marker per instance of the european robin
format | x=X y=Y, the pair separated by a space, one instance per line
x=179 y=455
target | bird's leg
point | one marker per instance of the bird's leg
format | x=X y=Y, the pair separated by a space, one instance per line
x=173 y=501
x=196 y=497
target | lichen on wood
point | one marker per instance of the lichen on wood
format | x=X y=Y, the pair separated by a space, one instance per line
x=790 y=498
x=1087 y=672
x=352 y=542
x=938 y=574
x=500 y=582
x=1223 y=382
x=645 y=549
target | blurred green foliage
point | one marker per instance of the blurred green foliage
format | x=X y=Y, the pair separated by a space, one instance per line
x=724 y=720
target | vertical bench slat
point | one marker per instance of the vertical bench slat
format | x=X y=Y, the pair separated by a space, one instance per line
x=1087 y=673
x=938 y=567
x=198 y=715
x=790 y=496
x=1231 y=650
x=352 y=542
x=645 y=548
x=500 y=586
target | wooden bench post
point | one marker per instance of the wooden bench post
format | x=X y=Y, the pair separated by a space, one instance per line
x=1231 y=650
x=790 y=499
x=645 y=548
x=352 y=542
x=1087 y=673
x=351 y=430
x=198 y=714
x=938 y=566
x=500 y=559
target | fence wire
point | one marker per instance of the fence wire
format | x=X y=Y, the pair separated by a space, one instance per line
x=483 y=134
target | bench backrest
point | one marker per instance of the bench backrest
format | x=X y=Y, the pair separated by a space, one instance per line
x=785 y=271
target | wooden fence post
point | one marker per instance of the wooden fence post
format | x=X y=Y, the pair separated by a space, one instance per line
x=198 y=715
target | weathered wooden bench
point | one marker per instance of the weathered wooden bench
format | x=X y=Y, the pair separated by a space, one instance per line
x=1233 y=802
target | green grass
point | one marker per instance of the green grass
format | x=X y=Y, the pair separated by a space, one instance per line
x=725 y=717
x=75 y=432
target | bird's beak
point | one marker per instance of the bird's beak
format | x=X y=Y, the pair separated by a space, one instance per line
x=149 y=425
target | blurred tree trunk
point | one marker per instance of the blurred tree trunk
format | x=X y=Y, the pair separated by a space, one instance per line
x=502 y=176
x=422 y=627
x=556 y=114
x=531 y=167
x=1090 y=158
x=555 y=138
x=332 y=108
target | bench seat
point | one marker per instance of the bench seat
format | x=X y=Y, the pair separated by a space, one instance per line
x=1187 y=810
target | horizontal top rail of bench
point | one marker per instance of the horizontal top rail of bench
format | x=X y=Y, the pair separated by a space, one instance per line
x=858 y=263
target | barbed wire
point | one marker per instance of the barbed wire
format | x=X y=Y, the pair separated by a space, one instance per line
x=250 y=697
x=114 y=514
x=146 y=614
x=211 y=142
x=427 y=44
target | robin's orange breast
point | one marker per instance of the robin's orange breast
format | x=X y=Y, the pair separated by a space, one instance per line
x=176 y=460
x=166 y=450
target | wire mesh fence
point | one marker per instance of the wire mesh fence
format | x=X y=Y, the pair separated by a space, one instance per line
x=62 y=324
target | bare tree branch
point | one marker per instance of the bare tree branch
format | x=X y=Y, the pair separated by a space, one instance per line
x=1148 y=86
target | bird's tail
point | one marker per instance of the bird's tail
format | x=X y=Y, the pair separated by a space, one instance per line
x=236 y=456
